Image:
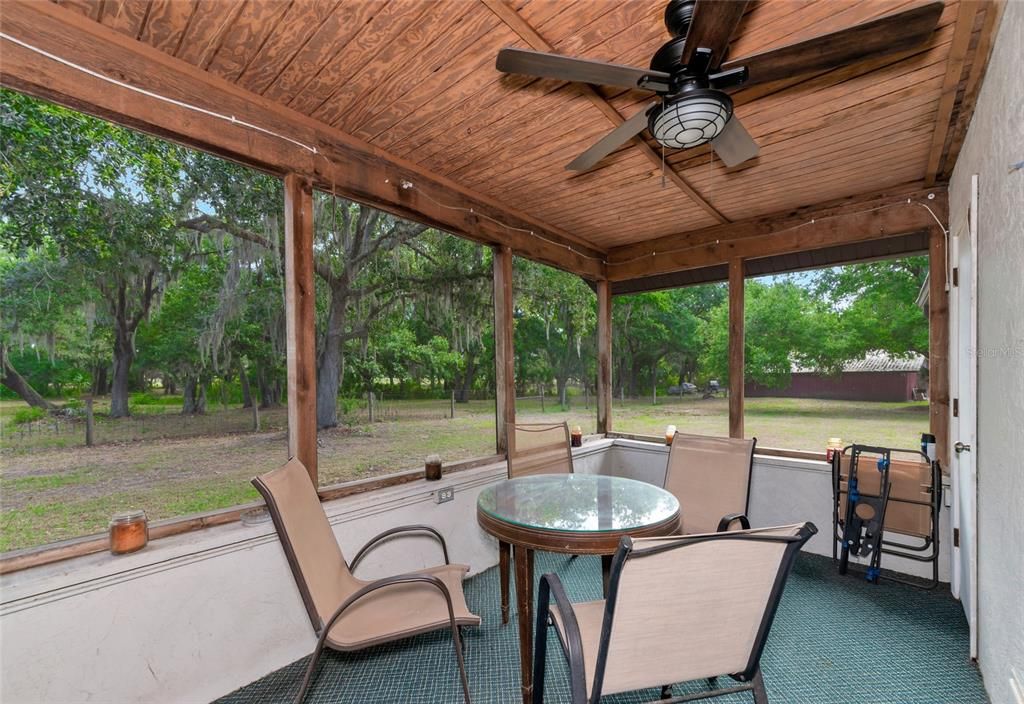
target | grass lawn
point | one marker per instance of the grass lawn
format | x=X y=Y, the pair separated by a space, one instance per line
x=53 y=488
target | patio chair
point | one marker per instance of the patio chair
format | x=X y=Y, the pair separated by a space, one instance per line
x=681 y=608
x=710 y=477
x=349 y=613
x=539 y=448
x=534 y=448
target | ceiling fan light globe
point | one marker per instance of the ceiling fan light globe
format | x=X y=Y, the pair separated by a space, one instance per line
x=692 y=119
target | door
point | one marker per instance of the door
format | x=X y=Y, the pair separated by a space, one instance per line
x=963 y=429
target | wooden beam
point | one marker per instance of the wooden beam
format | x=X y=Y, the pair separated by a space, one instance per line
x=979 y=64
x=300 y=320
x=954 y=68
x=284 y=142
x=938 y=343
x=604 y=357
x=846 y=221
x=736 y=341
x=504 y=353
x=520 y=26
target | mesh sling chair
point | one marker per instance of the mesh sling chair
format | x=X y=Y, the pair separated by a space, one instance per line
x=349 y=613
x=710 y=477
x=534 y=448
x=680 y=608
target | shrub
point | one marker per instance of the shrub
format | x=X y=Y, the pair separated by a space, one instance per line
x=27 y=415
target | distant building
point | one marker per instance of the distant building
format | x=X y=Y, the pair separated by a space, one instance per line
x=876 y=377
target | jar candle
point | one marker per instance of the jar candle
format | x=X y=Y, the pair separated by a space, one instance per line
x=576 y=437
x=834 y=445
x=432 y=468
x=128 y=532
x=670 y=433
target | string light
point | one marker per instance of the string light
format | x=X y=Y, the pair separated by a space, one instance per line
x=408 y=185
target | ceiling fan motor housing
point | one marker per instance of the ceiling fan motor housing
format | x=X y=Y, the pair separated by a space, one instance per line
x=678 y=14
x=693 y=117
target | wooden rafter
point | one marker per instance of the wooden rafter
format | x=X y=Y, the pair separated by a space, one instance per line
x=979 y=64
x=520 y=26
x=954 y=68
x=351 y=167
x=849 y=220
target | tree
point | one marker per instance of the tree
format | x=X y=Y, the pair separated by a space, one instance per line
x=784 y=324
x=105 y=199
x=877 y=305
x=564 y=308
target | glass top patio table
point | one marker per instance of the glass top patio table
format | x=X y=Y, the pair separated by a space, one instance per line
x=578 y=503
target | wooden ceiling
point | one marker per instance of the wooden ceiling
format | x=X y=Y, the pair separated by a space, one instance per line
x=416 y=78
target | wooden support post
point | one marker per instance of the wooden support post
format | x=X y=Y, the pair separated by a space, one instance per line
x=300 y=321
x=504 y=355
x=736 y=348
x=938 y=344
x=604 y=357
x=89 y=422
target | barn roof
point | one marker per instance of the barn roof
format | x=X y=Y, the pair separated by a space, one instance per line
x=876 y=361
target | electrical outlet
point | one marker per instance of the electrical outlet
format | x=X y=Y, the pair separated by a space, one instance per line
x=444 y=495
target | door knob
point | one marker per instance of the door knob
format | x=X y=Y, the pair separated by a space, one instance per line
x=960 y=447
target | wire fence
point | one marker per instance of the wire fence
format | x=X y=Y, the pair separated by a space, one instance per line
x=78 y=429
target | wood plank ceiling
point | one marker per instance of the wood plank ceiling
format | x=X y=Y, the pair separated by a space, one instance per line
x=417 y=78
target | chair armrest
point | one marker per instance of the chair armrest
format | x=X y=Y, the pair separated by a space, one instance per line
x=374 y=541
x=429 y=579
x=729 y=519
x=551 y=588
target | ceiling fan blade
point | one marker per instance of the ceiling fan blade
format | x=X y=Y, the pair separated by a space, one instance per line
x=565 y=68
x=734 y=145
x=713 y=24
x=612 y=141
x=893 y=33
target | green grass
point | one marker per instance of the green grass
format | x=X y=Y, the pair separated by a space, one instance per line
x=49 y=492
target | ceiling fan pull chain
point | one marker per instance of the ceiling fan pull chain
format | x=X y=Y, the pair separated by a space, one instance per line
x=662 y=165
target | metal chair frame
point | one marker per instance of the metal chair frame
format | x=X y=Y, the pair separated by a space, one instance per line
x=551 y=588
x=926 y=551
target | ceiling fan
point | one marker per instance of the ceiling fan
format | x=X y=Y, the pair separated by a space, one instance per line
x=690 y=76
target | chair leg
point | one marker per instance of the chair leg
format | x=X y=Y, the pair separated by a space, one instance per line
x=504 y=560
x=457 y=643
x=313 y=660
x=760 y=695
x=712 y=682
x=666 y=691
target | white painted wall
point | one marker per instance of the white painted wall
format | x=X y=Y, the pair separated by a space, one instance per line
x=994 y=141
x=195 y=616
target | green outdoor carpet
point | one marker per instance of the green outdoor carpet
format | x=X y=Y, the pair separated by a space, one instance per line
x=835 y=640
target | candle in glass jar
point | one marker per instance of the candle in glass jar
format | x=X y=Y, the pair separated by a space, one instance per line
x=577 y=437
x=670 y=432
x=128 y=532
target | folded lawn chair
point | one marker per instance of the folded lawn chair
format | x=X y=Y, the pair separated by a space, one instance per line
x=349 y=613
x=678 y=609
x=534 y=448
x=710 y=477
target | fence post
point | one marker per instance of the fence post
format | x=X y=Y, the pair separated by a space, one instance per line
x=88 y=422
x=453 y=404
x=369 y=403
x=255 y=415
x=542 y=399
x=586 y=396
